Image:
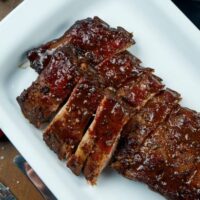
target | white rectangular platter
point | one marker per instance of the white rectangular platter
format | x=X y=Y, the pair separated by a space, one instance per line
x=166 y=41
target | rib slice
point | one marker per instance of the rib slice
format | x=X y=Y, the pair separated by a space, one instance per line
x=94 y=39
x=54 y=78
x=178 y=152
x=120 y=69
x=77 y=160
x=139 y=128
x=106 y=130
x=131 y=71
x=137 y=94
x=170 y=156
x=66 y=130
x=43 y=98
x=141 y=92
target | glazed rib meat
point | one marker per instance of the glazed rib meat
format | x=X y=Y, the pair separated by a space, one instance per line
x=43 y=98
x=136 y=94
x=109 y=73
x=105 y=108
x=152 y=86
x=140 y=127
x=56 y=135
x=106 y=139
x=66 y=129
x=119 y=69
x=151 y=115
x=168 y=158
x=94 y=39
x=93 y=42
x=106 y=129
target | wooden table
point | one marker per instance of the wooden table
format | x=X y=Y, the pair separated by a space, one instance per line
x=10 y=175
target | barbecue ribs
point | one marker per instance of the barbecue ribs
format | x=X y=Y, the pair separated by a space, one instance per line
x=93 y=42
x=168 y=158
x=104 y=108
x=94 y=39
x=112 y=116
x=67 y=128
x=43 y=98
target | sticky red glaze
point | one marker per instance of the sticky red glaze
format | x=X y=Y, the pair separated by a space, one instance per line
x=93 y=38
x=140 y=126
x=178 y=147
x=136 y=94
x=72 y=120
x=168 y=161
x=108 y=124
x=153 y=113
x=97 y=40
x=60 y=75
x=42 y=99
x=120 y=69
x=58 y=79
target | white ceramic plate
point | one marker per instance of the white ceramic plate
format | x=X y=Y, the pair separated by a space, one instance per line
x=166 y=40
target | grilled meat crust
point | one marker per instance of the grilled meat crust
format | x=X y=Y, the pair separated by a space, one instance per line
x=94 y=39
x=167 y=159
x=43 y=98
x=136 y=94
x=103 y=96
x=106 y=133
x=90 y=82
x=151 y=115
x=140 y=96
x=69 y=124
x=119 y=70
x=140 y=126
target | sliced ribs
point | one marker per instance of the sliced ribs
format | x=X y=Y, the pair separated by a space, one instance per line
x=92 y=42
x=131 y=71
x=105 y=131
x=67 y=128
x=94 y=39
x=77 y=161
x=55 y=135
x=43 y=98
x=108 y=104
x=170 y=161
x=138 y=129
x=119 y=70
x=167 y=159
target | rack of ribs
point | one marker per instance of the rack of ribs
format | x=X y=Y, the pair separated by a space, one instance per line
x=140 y=127
x=44 y=97
x=87 y=146
x=166 y=155
x=67 y=128
x=104 y=108
x=53 y=86
x=93 y=38
x=119 y=70
x=112 y=117
x=85 y=98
